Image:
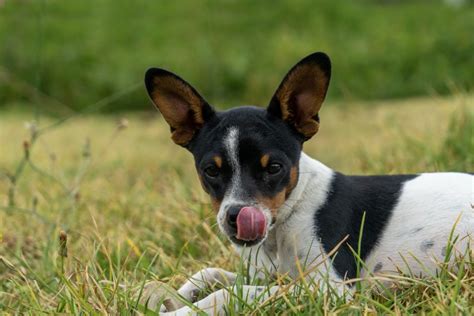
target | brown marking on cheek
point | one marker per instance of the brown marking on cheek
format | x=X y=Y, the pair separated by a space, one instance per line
x=216 y=204
x=273 y=203
x=293 y=180
x=264 y=160
x=218 y=161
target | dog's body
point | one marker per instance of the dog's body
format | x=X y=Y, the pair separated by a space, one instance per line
x=402 y=219
x=283 y=210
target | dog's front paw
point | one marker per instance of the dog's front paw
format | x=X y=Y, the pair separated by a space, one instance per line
x=157 y=293
x=191 y=294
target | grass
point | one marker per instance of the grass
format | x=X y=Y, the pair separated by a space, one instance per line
x=131 y=207
x=232 y=51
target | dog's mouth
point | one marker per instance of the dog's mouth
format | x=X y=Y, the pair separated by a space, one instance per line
x=251 y=227
x=245 y=243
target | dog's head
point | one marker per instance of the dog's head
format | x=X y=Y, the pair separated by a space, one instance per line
x=247 y=157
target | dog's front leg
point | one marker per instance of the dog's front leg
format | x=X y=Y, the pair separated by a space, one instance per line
x=208 y=277
x=226 y=299
x=154 y=292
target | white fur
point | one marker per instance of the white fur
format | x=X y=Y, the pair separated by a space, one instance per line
x=231 y=144
x=233 y=194
x=202 y=279
x=429 y=208
x=217 y=302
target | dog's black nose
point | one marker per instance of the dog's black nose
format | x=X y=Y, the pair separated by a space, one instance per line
x=232 y=213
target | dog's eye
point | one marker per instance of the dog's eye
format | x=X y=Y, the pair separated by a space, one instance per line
x=274 y=168
x=211 y=171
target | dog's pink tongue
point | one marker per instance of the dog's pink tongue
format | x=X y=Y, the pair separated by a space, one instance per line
x=251 y=224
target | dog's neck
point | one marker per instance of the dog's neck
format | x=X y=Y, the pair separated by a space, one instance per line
x=313 y=183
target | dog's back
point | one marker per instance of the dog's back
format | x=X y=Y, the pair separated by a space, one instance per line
x=434 y=209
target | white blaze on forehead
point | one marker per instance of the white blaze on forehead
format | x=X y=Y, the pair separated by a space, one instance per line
x=235 y=192
x=231 y=144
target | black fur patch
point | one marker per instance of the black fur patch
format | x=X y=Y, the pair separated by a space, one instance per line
x=349 y=197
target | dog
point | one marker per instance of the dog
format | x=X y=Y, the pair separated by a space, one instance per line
x=279 y=207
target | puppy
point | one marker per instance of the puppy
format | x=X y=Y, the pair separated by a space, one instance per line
x=280 y=208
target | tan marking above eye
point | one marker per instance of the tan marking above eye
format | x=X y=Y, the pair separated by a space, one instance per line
x=264 y=160
x=218 y=161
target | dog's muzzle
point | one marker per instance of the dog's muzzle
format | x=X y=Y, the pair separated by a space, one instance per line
x=246 y=224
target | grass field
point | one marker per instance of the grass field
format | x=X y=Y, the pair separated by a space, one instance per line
x=132 y=208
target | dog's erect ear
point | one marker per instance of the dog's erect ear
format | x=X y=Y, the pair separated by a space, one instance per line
x=179 y=103
x=300 y=95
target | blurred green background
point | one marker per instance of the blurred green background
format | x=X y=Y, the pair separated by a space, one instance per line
x=78 y=52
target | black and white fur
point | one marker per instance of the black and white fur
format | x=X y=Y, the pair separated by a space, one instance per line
x=251 y=156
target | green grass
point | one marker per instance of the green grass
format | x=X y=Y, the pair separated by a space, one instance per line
x=77 y=52
x=133 y=209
